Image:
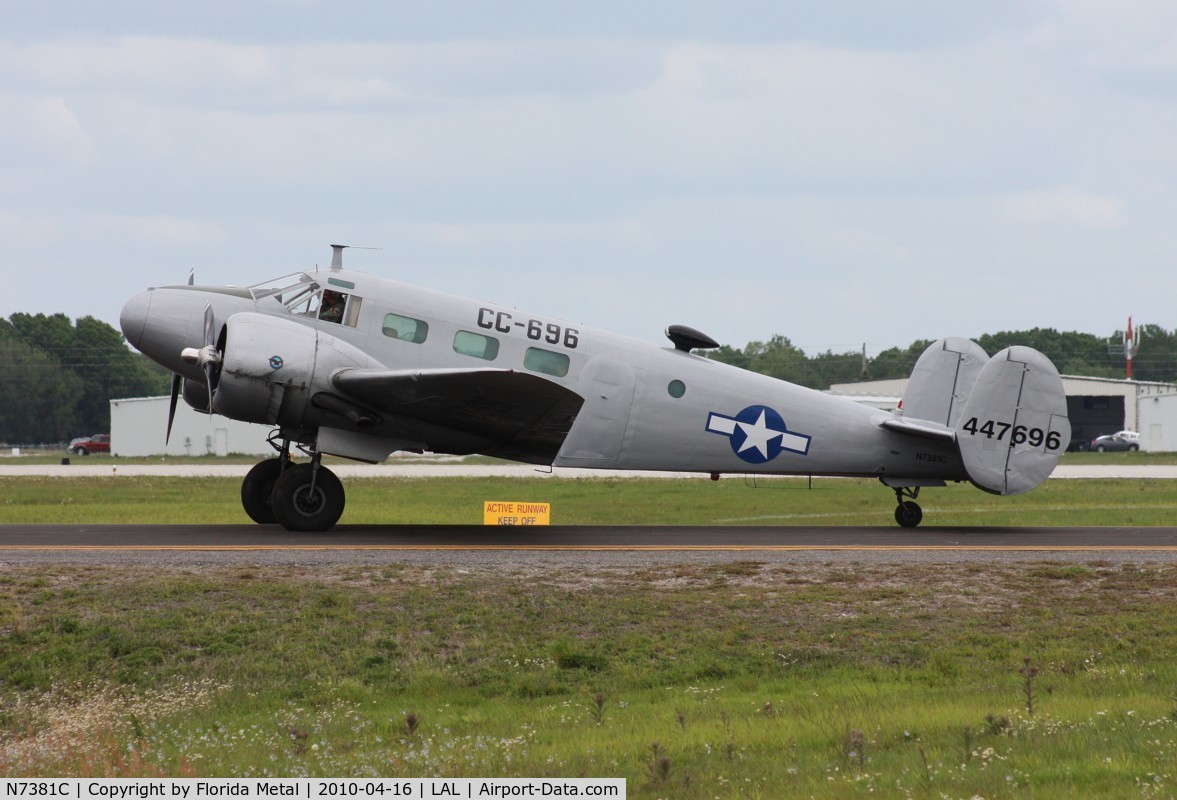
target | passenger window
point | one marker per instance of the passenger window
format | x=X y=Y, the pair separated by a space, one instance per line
x=476 y=345
x=406 y=329
x=547 y=362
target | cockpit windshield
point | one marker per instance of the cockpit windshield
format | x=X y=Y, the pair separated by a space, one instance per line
x=298 y=292
x=302 y=295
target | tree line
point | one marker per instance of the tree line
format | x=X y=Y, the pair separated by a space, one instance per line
x=57 y=378
x=1073 y=353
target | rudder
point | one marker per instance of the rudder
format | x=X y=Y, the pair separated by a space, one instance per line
x=1014 y=426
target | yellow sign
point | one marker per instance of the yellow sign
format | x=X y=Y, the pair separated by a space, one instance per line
x=498 y=512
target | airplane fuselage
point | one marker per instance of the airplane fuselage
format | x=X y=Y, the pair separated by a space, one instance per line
x=643 y=406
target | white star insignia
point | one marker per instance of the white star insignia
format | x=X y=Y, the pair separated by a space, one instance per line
x=758 y=435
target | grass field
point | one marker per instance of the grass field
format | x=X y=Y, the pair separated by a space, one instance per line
x=628 y=501
x=691 y=680
x=738 y=679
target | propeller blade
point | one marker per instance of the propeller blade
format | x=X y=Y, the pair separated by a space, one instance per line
x=210 y=341
x=176 y=381
x=209 y=326
x=209 y=368
x=192 y=277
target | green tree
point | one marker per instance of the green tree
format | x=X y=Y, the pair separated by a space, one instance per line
x=1073 y=353
x=74 y=371
x=38 y=399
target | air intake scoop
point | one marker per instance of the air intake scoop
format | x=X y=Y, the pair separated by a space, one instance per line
x=687 y=339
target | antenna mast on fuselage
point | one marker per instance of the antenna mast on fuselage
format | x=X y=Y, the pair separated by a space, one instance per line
x=337 y=253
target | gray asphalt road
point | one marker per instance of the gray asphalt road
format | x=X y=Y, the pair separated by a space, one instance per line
x=568 y=537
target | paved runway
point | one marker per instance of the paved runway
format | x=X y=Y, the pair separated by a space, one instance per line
x=595 y=538
x=100 y=467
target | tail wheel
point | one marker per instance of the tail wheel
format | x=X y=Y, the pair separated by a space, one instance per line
x=908 y=514
x=305 y=501
x=257 y=491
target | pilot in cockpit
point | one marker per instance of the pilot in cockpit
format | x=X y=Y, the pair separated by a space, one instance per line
x=332 y=307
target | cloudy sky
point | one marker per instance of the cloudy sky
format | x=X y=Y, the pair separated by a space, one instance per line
x=839 y=173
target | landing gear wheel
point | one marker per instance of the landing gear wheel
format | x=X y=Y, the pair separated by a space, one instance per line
x=258 y=488
x=306 y=501
x=908 y=514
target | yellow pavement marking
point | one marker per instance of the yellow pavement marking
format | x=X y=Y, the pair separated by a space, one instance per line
x=614 y=548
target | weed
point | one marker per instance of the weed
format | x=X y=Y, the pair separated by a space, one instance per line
x=968 y=737
x=412 y=722
x=1028 y=673
x=598 y=708
x=854 y=748
x=658 y=767
x=996 y=726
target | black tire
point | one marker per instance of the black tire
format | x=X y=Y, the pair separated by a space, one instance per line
x=81 y=451
x=1132 y=448
x=1099 y=448
x=908 y=514
x=258 y=488
x=297 y=508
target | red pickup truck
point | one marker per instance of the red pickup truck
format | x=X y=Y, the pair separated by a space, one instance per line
x=98 y=443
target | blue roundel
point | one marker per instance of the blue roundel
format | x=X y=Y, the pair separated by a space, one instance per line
x=758 y=434
x=276 y=362
x=757 y=437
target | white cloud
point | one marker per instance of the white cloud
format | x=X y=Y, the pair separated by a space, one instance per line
x=55 y=123
x=1068 y=207
x=608 y=176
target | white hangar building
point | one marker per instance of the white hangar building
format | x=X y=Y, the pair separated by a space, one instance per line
x=1095 y=406
x=138 y=426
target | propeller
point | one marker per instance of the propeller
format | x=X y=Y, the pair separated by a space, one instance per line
x=207 y=357
x=177 y=379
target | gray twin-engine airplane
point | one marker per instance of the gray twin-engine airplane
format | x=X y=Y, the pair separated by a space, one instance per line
x=352 y=365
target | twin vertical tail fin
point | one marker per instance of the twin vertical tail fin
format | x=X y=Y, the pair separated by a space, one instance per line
x=1014 y=427
x=1009 y=412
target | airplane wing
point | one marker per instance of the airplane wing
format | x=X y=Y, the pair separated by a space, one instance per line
x=497 y=412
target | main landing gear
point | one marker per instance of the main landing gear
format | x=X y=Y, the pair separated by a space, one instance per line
x=908 y=513
x=301 y=497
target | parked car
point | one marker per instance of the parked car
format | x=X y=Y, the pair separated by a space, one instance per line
x=1121 y=440
x=98 y=443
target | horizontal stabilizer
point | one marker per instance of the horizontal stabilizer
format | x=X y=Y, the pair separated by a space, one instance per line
x=1014 y=428
x=919 y=427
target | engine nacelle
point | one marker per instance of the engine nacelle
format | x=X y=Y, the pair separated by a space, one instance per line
x=272 y=367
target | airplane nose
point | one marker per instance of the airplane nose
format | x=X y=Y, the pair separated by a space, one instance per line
x=133 y=318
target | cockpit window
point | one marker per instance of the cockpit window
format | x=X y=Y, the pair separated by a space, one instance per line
x=332 y=305
x=302 y=295
x=285 y=287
